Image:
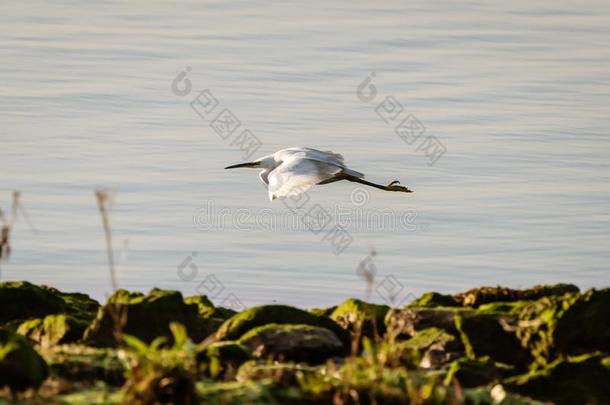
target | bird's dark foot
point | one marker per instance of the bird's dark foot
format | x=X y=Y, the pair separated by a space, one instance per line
x=395 y=186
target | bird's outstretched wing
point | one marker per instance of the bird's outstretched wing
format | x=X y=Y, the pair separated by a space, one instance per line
x=298 y=173
x=323 y=156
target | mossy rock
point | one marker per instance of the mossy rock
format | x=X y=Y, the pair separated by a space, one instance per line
x=426 y=338
x=568 y=325
x=585 y=326
x=222 y=359
x=20 y=300
x=21 y=367
x=78 y=305
x=204 y=305
x=53 y=329
x=580 y=380
x=353 y=313
x=434 y=299
x=323 y=311
x=474 y=373
x=487 y=335
x=283 y=374
x=507 y=308
x=433 y=346
x=146 y=317
x=85 y=364
x=236 y=326
x=483 y=295
x=405 y=323
x=299 y=343
x=249 y=392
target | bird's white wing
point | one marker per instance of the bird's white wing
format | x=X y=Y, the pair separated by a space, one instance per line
x=311 y=154
x=296 y=174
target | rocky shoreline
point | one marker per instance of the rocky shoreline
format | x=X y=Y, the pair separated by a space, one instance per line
x=490 y=345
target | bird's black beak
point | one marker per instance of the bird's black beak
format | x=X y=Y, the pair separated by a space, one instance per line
x=248 y=164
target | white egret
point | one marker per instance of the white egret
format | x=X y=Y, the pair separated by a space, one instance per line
x=289 y=172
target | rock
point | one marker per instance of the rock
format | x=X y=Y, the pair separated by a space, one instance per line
x=491 y=335
x=299 y=343
x=85 y=364
x=585 y=326
x=483 y=295
x=404 y=323
x=473 y=373
x=434 y=299
x=21 y=367
x=568 y=325
x=78 y=305
x=222 y=359
x=436 y=356
x=425 y=338
x=20 y=300
x=146 y=317
x=53 y=329
x=236 y=326
x=580 y=380
x=323 y=311
x=437 y=346
x=214 y=315
x=249 y=392
x=283 y=374
x=353 y=311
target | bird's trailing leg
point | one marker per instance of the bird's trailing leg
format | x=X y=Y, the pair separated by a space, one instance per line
x=392 y=186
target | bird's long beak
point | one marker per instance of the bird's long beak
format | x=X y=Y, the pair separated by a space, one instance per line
x=248 y=164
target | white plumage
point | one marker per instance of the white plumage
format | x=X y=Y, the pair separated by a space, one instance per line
x=289 y=172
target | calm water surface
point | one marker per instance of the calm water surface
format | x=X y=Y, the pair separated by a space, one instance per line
x=517 y=93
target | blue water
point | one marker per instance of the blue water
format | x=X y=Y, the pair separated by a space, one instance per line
x=517 y=95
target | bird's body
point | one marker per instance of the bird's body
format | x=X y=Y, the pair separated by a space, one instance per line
x=289 y=172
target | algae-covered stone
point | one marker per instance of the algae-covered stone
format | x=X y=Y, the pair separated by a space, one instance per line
x=250 y=393
x=78 y=305
x=146 y=317
x=85 y=364
x=53 y=329
x=474 y=373
x=585 y=326
x=491 y=335
x=434 y=299
x=20 y=301
x=21 y=367
x=23 y=300
x=234 y=327
x=284 y=374
x=580 y=380
x=353 y=314
x=406 y=322
x=567 y=325
x=484 y=295
x=323 y=311
x=435 y=346
x=432 y=336
x=222 y=359
x=300 y=343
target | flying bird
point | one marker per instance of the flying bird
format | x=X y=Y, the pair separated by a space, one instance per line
x=289 y=172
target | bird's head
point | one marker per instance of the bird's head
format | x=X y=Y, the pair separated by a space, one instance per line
x=247 y=164
x=267 y=162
